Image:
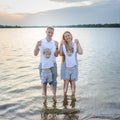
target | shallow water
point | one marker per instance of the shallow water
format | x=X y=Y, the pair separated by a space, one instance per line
x=97 y=89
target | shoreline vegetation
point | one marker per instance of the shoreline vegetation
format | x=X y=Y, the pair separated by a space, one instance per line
x=113 y=25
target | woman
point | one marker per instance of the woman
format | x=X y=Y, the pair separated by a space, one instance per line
x=67 y=41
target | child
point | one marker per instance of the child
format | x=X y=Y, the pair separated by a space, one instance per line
x=71 y=63
x=46 y=74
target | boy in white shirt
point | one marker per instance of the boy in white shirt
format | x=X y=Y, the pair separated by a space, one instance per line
x=46 y=74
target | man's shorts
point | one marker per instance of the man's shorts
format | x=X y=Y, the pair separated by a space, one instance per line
x=54 y=75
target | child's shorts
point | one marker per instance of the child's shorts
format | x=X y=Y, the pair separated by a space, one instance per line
x=70 y=73
x=46 y=77
x=63 y=69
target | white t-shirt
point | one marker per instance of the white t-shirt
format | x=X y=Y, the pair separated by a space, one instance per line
x=46 y=62
x=51 y=46
x=70 y=60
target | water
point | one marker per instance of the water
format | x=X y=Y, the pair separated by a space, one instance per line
x=98 y=87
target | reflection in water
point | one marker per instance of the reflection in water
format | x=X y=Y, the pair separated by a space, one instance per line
x=72 y=115
x=68 y=112
x=47 y=116
x=65 y=102
x=72 y=103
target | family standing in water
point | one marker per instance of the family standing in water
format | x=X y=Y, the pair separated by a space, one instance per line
x=68 y=50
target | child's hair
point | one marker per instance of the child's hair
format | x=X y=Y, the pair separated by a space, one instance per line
x=47 y=51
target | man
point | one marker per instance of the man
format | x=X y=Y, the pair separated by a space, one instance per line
x=48 y=42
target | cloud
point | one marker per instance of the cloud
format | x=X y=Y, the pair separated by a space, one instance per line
x=91 y=14
x=77 y=15
x=76 y=3
x=91 y=2
x=8 y=18
x=67 y=0
x=71 y=1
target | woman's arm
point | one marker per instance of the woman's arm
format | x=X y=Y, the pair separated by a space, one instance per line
x=79 y=48
x=61 y=48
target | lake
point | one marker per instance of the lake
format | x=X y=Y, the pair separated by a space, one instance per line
x=97 y=88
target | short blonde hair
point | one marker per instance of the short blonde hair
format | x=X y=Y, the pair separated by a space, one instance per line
x=50 y=27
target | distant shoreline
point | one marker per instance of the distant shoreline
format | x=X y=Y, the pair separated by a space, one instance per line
x=113 y=25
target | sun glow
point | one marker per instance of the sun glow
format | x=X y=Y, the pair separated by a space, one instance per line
x=11 y=16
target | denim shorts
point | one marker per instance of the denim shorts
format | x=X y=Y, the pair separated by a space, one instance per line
x=70 y=73
x=63 y=69
x=46 y=77
x=54 y=74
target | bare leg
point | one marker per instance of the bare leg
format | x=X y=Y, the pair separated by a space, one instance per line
x=73 y=89
x=44 y=91
x=66 y=87
x=54 y=77
x=65 y=82
x=54 y=92
x=71 y=84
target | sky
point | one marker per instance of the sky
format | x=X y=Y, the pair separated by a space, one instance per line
x=58 y=12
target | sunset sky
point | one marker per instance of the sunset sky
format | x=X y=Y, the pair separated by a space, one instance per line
x=58 y=12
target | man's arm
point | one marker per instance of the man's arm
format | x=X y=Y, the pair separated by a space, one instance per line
x=56 y=51
x=36 y=49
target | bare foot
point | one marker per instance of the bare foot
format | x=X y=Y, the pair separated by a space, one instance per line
x=73 y=97
x=65 y=95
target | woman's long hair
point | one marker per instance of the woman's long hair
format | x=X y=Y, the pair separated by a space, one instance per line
x=66 y=43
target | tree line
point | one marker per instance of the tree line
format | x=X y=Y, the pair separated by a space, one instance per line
x=79 y=25
x=9 y=26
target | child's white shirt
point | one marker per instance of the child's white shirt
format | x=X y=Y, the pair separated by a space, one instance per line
x=70 y=60
x=47 y=62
